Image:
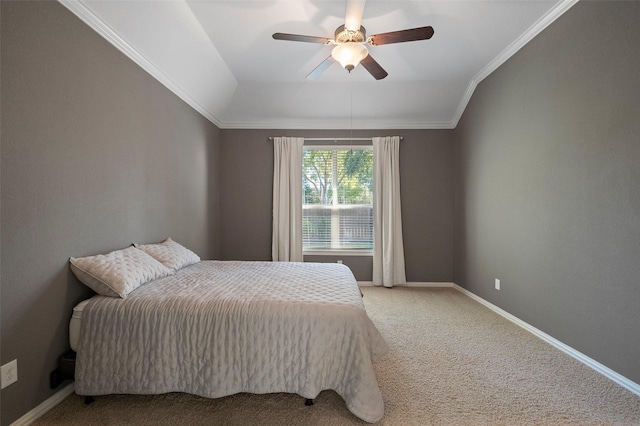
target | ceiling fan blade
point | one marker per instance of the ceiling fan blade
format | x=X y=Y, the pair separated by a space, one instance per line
x=413 y=34
x=374 y=68
x=353 y=15
x=303 y=38
x=317 y=72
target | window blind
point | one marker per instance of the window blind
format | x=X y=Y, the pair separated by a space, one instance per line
x=337 y=201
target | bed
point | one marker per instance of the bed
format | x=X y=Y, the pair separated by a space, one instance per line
x=216 y=328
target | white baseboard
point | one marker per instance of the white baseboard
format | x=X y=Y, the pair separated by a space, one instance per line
x=412 y=284
x=34 y=414
x=589 y=362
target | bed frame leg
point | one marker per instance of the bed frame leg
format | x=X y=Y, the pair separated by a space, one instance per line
x=89 y=399
x=308 y=402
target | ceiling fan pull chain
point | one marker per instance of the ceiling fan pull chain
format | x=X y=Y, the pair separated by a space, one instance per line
x=351 y=108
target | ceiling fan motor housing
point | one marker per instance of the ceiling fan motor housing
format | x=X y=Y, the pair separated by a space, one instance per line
x=343 y=35
x=350 y=46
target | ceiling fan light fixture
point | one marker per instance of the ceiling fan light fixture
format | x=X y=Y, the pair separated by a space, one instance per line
x=349 y=54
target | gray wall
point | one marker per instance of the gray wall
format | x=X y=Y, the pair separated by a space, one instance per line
x=0 y=196
x=96 y=154
x=548 y=184
x=426 y=158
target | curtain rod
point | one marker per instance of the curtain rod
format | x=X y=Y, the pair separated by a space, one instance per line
x=336 y=139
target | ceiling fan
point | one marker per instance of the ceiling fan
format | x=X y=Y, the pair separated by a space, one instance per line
x=351 y=42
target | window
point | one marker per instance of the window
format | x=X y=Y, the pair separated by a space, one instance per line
x=337 y=210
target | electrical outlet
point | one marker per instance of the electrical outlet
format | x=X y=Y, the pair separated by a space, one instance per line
x=497 y=284
x=339 y=261
x=9 y=374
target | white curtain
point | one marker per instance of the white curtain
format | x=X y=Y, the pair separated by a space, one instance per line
x=388 y=251
x=287 y=200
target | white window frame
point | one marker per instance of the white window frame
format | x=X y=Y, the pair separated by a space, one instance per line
x=329 y=251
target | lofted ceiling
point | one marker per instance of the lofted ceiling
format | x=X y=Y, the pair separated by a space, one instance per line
x=219 y=56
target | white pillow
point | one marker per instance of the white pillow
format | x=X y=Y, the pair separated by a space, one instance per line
x=118 y=273
x=170 y=254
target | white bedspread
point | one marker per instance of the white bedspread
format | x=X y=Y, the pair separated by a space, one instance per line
x=219 y=328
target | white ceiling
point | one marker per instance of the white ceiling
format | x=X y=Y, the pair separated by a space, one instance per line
x=219 y=56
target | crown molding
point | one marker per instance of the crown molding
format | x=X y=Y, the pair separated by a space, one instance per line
x=99 y=26
x=547 y=19
x=337 y=125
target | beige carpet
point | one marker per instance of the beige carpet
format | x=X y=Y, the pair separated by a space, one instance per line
x=452 y=362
